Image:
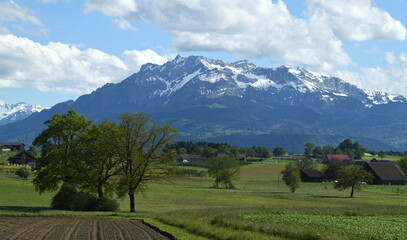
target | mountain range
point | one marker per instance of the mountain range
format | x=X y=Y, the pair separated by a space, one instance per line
x=242 y=104
x=14 y=112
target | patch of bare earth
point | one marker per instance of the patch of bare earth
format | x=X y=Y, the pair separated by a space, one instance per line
x=16 y=228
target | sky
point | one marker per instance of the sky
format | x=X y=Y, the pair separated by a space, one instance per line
x=56 y=50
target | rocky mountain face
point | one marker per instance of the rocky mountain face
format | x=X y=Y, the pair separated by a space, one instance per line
x=14 y=112
x=244 y=104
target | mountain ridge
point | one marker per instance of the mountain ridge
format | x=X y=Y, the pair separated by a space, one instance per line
x=212 y=99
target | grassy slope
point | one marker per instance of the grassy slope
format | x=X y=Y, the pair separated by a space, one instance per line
x=190 y=205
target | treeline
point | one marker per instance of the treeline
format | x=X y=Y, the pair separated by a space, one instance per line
x=209 y=149
x=355 y=150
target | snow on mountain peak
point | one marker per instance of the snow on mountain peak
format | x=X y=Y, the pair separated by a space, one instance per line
x=14 y=112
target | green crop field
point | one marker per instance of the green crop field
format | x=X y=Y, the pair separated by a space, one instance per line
x=261 y=207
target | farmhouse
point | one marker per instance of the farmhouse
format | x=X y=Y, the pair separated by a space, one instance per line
x=12 y=147
x=190 y=158
x=386 y=173
x=337 y=160
x=312 y=175
x=22 y=158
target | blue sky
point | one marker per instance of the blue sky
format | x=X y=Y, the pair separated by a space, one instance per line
x=56 y=50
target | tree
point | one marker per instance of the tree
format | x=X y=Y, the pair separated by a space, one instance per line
x=32 y=150
x=308 y=147
x=278 y=151
x=351 y=177
x=99 y=163
x=138 y=144
x=223 y=169
x=403 y=164
x=59 y=144
x=306 y=163
x=328 y=149
x=75 y=152
x=317 y=152
x=382 y=154
x=23 y=173
x=291 y=176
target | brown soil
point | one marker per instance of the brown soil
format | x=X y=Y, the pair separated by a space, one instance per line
x=13 y=228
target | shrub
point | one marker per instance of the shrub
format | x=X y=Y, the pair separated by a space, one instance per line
x=68 y=198
x=23 y=173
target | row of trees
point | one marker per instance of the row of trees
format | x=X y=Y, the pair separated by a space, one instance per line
x=209 y=149
x=88 y=156
x=355 y=150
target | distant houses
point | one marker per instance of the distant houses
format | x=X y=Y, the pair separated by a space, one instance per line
x=312 y=175
x=187 y=158
x=337 y=160
x=6 y=147
x=22 y=158
x=386 y=173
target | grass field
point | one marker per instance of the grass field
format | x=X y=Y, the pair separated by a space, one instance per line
x=387 y=157
x=261 y=207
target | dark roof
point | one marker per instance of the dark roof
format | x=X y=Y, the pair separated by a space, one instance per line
x=313 y=173
x=387 y=171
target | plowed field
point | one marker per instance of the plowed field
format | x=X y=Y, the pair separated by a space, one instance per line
x=14 y=228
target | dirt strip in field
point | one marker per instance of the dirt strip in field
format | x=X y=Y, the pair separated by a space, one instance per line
x=32 y=228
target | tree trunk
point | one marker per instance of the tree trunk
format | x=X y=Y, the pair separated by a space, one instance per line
x=100 y=192
x=353 y=189
x=132 y=203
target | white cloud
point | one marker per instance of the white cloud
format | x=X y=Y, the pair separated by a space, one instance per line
x=391 y=79
x=258 y=28
x=64 y=68
x=135 y=59
x=356 y=20
x=261 y=28
x=10 y=11
x=389 y=58
x=26 y=19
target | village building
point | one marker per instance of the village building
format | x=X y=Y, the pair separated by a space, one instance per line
x=386 y=173
x=337 y=160
x=12 y=147
x=185 y=158
x=22 y=158
x=312 y=175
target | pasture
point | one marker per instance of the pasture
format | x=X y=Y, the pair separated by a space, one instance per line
x=261 y=207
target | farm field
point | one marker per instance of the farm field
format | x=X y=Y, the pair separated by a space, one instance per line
x=75 y=228
x=261 y=207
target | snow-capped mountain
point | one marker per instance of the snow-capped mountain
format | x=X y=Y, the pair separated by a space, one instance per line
x=185 y=79
x=242 y=104
x=14 y=112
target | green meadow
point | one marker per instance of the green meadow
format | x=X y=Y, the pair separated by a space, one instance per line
x=261 y=207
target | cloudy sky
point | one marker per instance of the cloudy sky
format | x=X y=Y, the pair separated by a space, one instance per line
x=56 y=50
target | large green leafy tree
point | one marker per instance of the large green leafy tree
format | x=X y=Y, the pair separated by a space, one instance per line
x=60 y=148
x=351 y=177
x=98 y=159
x=291 y=176
x=138 y=145
x=76 y=152
x=223 y=169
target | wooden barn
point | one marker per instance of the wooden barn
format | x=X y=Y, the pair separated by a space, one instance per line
x=312 y=175
x=12 y=147
x=386 y=173
x=22 y=158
